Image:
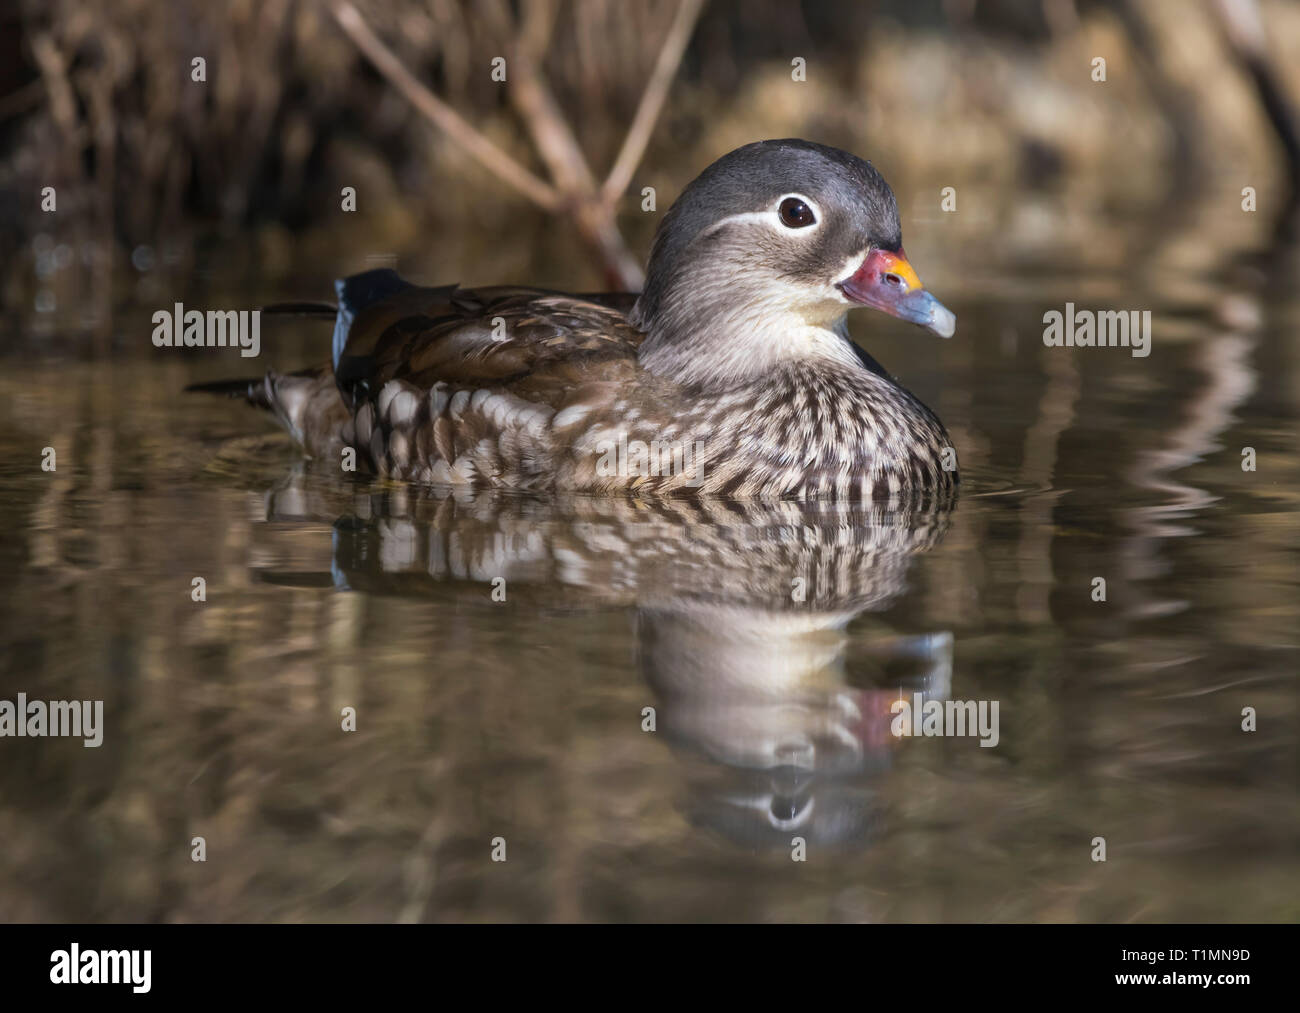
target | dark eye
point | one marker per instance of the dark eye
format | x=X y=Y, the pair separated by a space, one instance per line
x=795 y=214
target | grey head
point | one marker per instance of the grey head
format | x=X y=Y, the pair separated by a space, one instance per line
x=759 y=260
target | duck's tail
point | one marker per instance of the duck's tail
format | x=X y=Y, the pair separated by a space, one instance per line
x=260 y=391
x=323 y=310
x=308 y=403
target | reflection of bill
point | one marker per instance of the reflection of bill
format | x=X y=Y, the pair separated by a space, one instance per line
x=624 y=458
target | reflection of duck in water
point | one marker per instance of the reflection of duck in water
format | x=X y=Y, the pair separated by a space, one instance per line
x=732 y=374
x=768 y=697
x=742 y=615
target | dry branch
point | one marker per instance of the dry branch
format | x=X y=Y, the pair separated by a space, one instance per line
x=439 y=113
x=652 y=100
x=574 y=188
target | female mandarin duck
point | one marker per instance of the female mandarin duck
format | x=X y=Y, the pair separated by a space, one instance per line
x=737 y=351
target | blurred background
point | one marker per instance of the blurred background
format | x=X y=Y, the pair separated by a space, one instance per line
x=523 y=719
x=161 y=179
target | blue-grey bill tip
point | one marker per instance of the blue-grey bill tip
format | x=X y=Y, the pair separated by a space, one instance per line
x=942 y=320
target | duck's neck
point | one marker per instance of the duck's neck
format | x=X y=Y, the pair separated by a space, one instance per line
x=691 y=342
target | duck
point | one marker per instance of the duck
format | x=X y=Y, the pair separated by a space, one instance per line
x=731 y=374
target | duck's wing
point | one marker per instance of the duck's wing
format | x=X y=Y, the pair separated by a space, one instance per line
x=535 y=343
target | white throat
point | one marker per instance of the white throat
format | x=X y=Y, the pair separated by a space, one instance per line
x=744 y=343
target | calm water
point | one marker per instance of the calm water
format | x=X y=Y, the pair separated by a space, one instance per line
x=523 y=719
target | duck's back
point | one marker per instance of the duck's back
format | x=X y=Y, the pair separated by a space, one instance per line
x=390 y=330
x=454 y=385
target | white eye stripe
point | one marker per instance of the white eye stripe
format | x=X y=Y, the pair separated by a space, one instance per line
x=849 y=269
x=767 y=217
x=771 y=217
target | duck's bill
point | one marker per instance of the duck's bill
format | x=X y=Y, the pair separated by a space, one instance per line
x=887 y=282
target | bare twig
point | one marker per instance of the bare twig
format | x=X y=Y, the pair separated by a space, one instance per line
x=536 y=106
x=63 y=103
x=559 y=148
x=573 y=188
x=440 y=114
x=652 y=100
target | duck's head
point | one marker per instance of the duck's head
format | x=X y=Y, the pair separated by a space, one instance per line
x=759 y=260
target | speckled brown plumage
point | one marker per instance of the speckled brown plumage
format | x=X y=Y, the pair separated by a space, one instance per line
x=733 y=375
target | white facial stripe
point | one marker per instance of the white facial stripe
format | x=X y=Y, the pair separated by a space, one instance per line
x=767 y=217
x=852 y=264
x=771 y=217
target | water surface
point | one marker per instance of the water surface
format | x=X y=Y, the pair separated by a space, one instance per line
x=523 y=719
